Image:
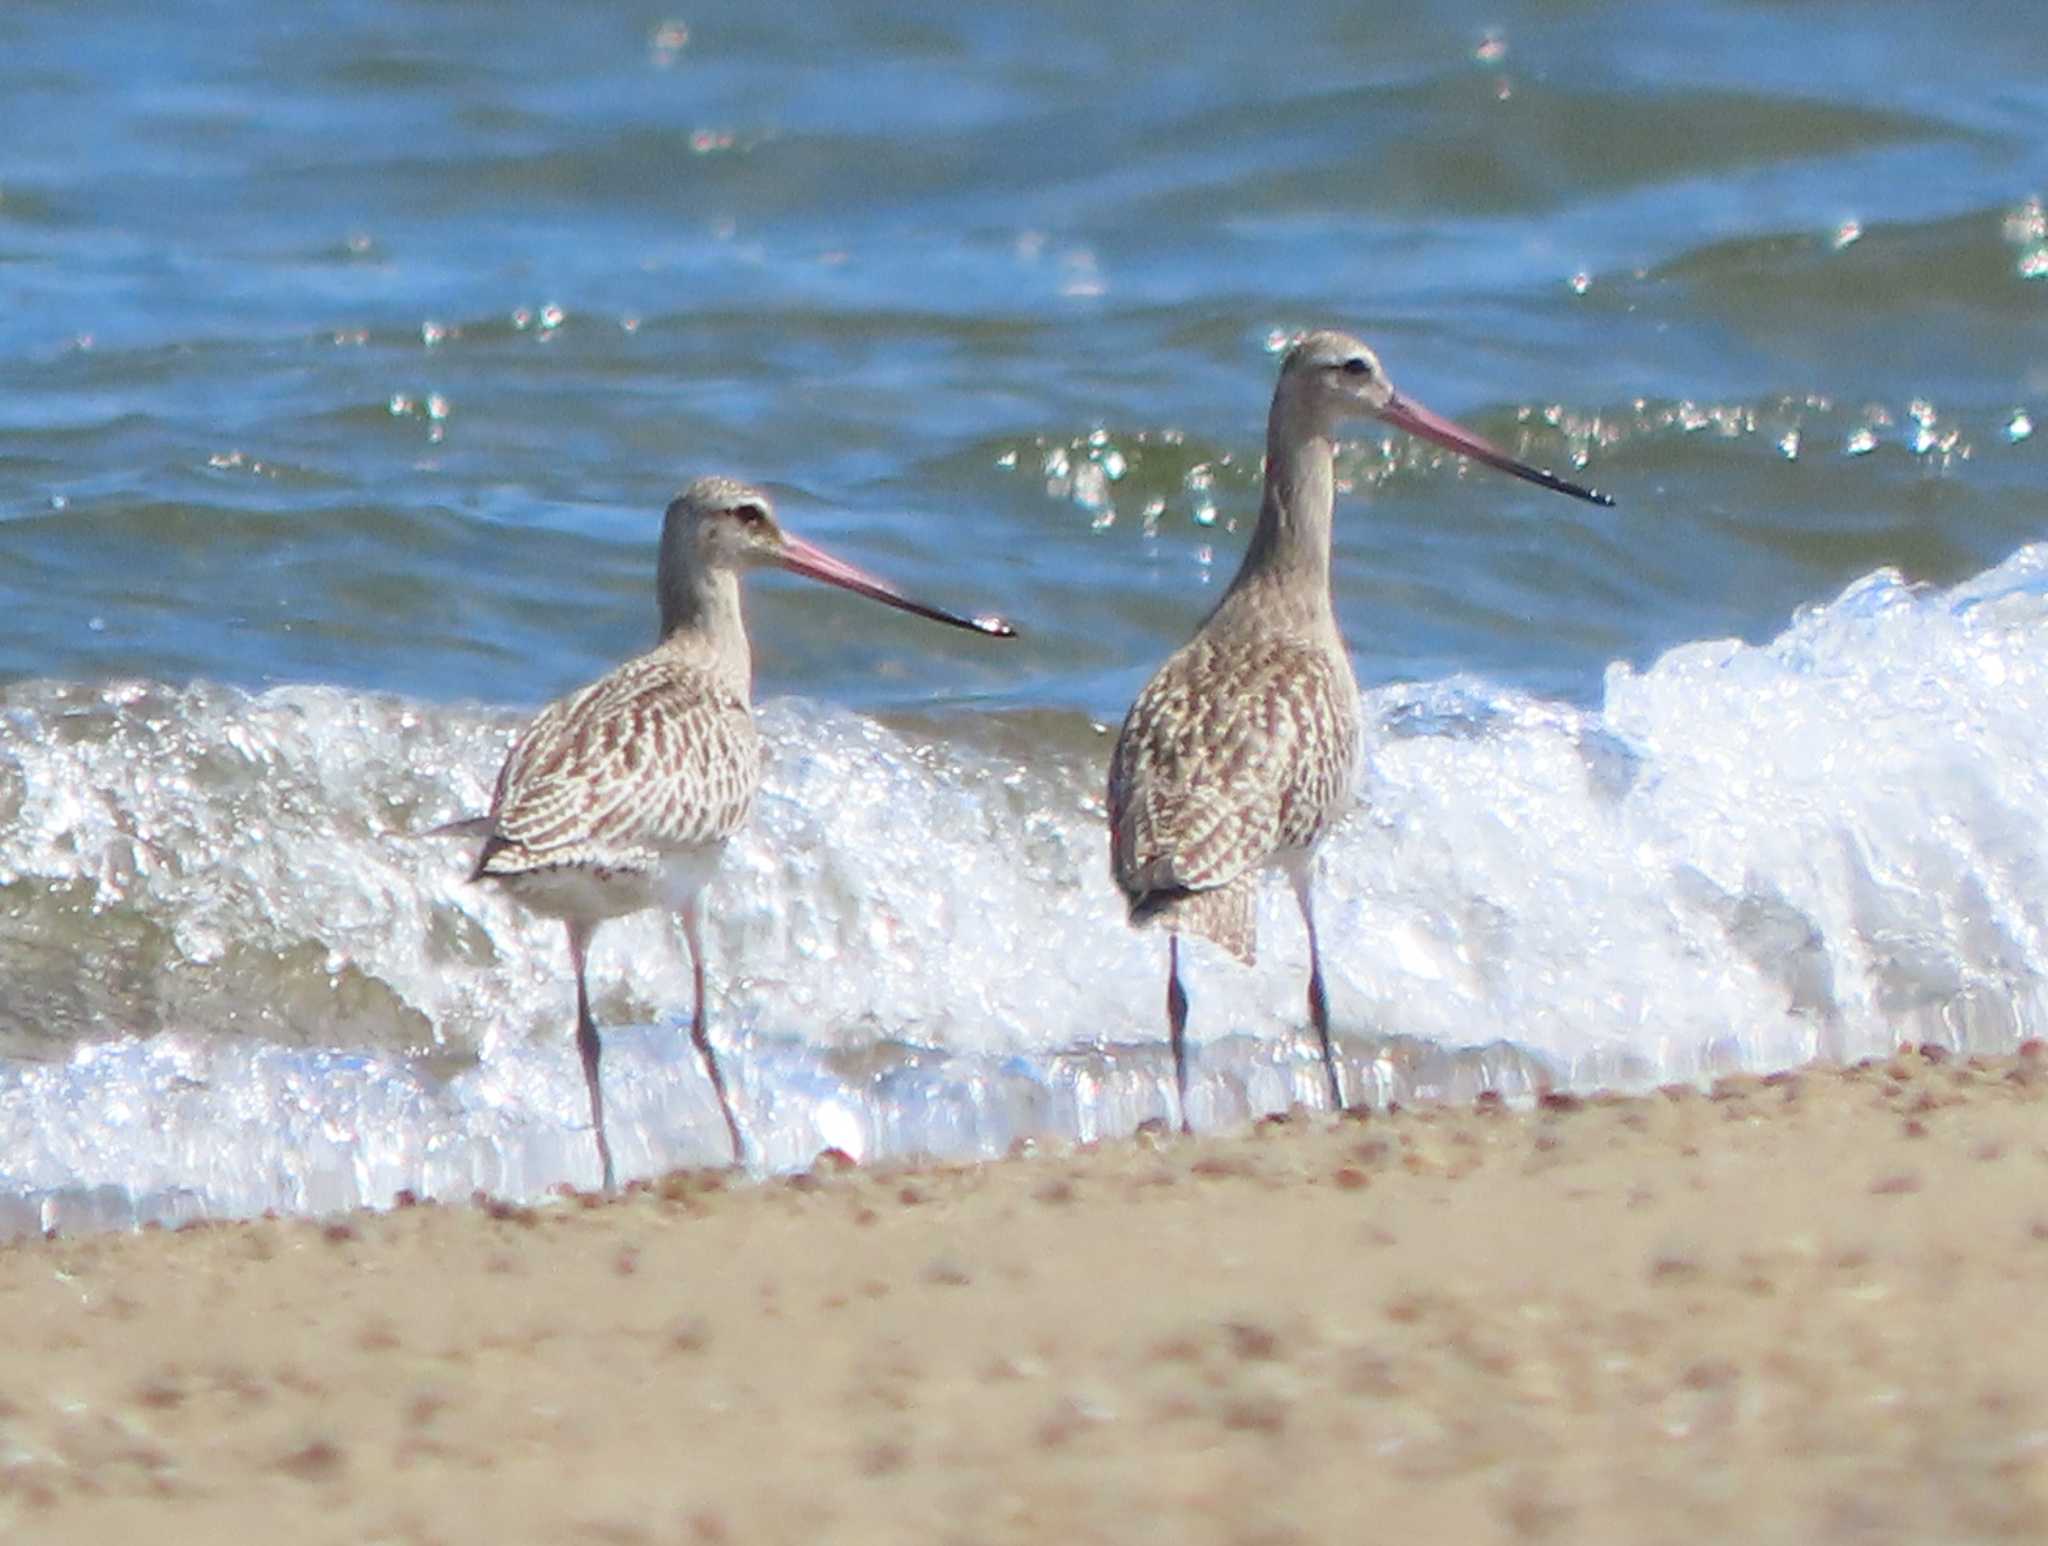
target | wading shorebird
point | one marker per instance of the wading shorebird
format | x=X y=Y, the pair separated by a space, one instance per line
x=1240 y=753
x=622 y=796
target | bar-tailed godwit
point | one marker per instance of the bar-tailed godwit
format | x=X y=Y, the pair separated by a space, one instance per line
x=1241 y=753
x=622 y=796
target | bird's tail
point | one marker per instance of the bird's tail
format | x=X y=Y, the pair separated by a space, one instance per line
x=471 y=826
x=467 y=826
x=1224 y=916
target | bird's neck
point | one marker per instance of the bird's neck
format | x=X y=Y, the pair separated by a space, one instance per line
x=1290 y=546
x=701 y=618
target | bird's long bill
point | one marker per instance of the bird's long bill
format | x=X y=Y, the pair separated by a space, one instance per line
x=799 y=557
x=1418 y=420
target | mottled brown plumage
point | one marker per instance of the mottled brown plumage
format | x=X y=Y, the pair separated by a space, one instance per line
x=578 y=788
x=622 y=796
x=1241 y=753
x=1207 y=787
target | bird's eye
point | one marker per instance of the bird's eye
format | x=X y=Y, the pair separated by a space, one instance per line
x=750 y=515
x=1357 y=365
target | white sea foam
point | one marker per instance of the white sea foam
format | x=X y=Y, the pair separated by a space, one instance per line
x=238 y=979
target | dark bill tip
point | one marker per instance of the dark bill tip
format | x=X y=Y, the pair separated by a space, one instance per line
x=800 y=557
x=1404 y=413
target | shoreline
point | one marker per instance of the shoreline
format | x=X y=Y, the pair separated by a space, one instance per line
x=1801 y=1307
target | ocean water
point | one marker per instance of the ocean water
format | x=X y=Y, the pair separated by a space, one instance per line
x=352 y=352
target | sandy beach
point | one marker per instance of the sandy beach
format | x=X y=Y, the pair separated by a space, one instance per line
x=1796 y=1309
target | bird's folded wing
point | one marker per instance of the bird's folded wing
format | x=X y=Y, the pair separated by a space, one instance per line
x=1230 y=755
x=653 y=757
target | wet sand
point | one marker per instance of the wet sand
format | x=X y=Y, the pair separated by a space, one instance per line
x=1804 y=1309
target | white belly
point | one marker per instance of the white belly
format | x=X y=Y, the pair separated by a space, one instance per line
x=591 y=893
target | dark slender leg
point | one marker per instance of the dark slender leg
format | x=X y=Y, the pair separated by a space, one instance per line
x=1318 y=1000
x=587 y=1044
x=700 y=1033
x=1177 y=1028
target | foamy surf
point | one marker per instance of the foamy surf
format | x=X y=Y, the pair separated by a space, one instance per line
x=244 y=982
